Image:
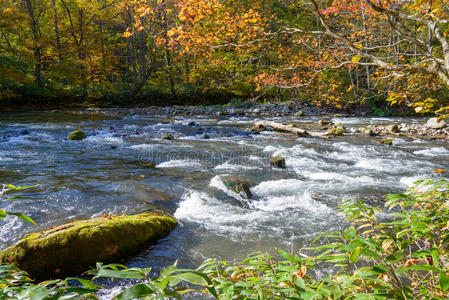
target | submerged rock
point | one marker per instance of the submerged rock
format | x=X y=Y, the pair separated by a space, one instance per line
x=73 y=248
x=238 y=185
x=76 y=135
x=168 y=137
x=388 y=142
x=436 y=123
x=277 y=161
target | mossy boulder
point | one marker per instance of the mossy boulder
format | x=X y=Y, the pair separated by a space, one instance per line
x=277 y=161
x=73 y=248
x=238 y=186
x=168 y=137
x=299 y=113
x=76 y=135
x=337 y=130
x=388 y=142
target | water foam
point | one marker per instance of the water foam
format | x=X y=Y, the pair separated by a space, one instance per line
x=432 y=151
x=181 y=163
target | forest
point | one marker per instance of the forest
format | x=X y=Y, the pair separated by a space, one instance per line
x=224 y=149
x=345 y=53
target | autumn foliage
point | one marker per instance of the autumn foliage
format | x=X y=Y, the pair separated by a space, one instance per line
x=373 y=53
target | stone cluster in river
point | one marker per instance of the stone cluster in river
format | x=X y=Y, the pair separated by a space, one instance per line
x=434 y=128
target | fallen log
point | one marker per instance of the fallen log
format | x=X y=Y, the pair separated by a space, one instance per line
x=263 y=125
x=290 y=128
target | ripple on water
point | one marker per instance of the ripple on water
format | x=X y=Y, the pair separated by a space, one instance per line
x=432 y=151
x=181 y=163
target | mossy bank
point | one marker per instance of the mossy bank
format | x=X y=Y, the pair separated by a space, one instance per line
x=73 y=248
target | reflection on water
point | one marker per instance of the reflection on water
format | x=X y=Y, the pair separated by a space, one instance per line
x=124 y=167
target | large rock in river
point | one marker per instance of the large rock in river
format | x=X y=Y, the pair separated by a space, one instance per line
x=76 y=247
x=238 y=186
x=436 y=123
x=76 y=135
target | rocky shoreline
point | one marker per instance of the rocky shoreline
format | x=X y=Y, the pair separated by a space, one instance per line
x=431 y=130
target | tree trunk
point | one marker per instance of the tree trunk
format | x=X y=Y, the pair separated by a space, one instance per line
x=167 y=55
x=37 y=49
x=58 y=40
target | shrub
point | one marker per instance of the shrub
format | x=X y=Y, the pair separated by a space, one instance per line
x=401 y=255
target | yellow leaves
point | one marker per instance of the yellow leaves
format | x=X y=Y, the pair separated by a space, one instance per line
x=127 y=33
x=424 y=106
x=171 y=32
x=356 y=58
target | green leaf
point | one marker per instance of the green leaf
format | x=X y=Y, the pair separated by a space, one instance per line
x=18 y=188
x=192 y=278
x=2 y=213
x=23 y=217
x=369 y=253
x=444 y=281
x=395 y=257
x=354 y=255
x=287 y=256
x=135 y=292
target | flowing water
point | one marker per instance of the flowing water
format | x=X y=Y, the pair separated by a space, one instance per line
x=110 y=172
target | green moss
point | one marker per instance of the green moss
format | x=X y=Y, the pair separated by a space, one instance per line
x=73 y=248
x=388 y=142
x=168 y=137
x=337 y=131
x=76 y=135
x=238 y=185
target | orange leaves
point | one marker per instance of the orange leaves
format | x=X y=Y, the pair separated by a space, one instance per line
x=207 y=26
x=439 y=171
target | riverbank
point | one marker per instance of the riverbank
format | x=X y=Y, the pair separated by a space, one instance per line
x=210 y=105
x=291 y=109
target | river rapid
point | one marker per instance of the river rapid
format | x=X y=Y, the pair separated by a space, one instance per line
x=111 y=172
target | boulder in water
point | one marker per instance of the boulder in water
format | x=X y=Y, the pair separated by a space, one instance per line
x=277 y=161
x=392 y=128
x=168 y=137
x=369 y=132
x=436 y=123
x=388 y=142
x=73 y=248
x=76 y=135
x=238 y=185
x=337 y=130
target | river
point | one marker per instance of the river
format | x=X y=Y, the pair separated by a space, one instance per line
x=110 y=172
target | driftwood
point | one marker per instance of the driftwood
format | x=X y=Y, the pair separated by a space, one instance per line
x=291 y=128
